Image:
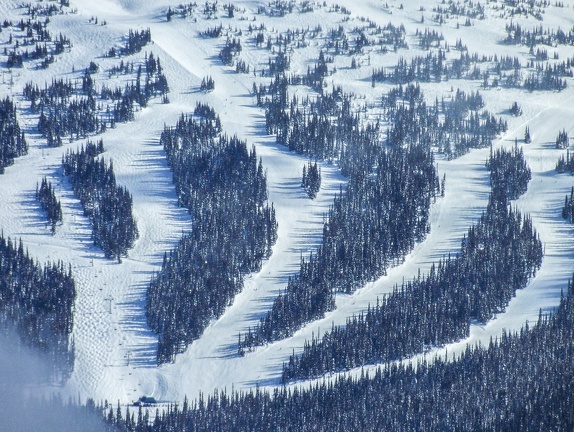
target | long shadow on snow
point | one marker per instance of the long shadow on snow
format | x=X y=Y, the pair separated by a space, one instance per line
x=134 y=321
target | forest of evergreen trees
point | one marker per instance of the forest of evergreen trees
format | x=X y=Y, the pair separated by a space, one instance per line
x=497 y=257
x=12 y=141
x=565 y=163
x=224 y=187
x=108 y=205
x=538 y=35
x=519 y=382
x=369 y=228
x=385 y=208
x=38 y=302
x=327 y=128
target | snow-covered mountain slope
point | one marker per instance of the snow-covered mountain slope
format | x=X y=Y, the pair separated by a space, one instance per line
x=115 y=350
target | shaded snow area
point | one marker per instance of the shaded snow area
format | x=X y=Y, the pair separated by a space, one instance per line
x=115 y=351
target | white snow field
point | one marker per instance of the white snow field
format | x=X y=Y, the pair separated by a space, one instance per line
x=115 y=349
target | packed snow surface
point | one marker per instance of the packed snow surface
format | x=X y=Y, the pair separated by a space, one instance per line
x=115 y=349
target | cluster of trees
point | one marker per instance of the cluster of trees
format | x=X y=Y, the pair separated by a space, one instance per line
x=524 y=8
x=311 y=179
x=565 y=163
x=38 y=302
x=369 y=228
x=547 y=78
x=208 y=113
x=43 y=46
x=207 y=84
x=469 y=10
x=134 y=43
x=108 y=205
x=280 y=64
x=509 y=173
x=539 y=35
x=338 y=40
x=388 y=37
x=12 y=141
x=431 y=67
x=60 y=115
x=453 y=127
x=14 y=59
x=242 y=67
x=47 y=10
x=72 y=109
x=184 y=10
x=497 y=257
x=562 y=140
x=154 y=83
x=518 y=382
x=213 y=32
x=224 y=187
x=434 y=67
x=315 y=77
x=515 y=109
x=326 y=128
x=429 y=38
x=50 y=204
x=231 y=49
